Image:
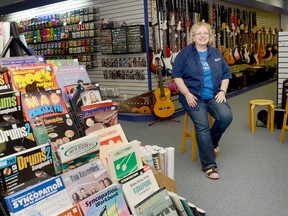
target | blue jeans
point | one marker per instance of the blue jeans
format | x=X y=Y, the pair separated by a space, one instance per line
x=208 y=138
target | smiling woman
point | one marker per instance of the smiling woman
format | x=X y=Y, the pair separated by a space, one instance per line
x=202 y=77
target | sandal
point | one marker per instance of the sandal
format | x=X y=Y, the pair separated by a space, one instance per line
x=212 y=173
x=216 y=150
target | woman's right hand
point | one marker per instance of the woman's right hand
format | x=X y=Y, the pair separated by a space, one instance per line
x=191 y=99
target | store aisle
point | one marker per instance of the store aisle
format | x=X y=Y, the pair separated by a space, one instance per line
x=253 y=168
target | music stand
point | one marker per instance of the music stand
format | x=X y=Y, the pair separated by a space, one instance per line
x=164 y=119
x=12 y=40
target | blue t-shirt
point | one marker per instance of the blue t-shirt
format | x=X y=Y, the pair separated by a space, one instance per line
x=208 y=86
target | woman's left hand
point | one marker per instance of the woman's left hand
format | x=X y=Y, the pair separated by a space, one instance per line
x=220 y=97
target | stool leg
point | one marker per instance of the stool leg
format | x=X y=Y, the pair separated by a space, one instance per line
x=252 y=119
x=250 y=125
x=269 y=117
x=284 y=125
x=184 y=135
x=272 y=119
x=194 y=143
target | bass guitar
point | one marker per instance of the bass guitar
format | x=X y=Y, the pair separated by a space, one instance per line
x=163 y=106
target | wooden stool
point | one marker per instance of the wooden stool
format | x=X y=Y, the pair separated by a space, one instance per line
x=284 y=124
x=191 y=134
x=270 y=120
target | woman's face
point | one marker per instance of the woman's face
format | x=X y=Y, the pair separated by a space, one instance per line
x=201 y=36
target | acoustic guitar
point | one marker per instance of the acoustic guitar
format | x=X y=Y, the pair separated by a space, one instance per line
x=163 y=106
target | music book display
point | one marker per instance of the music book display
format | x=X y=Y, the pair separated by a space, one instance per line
x=26 y=168
x=78 y=152
x=43 y=104
x=86 y=180
x=11 y=110
x=124 y=160
x=46 y=198
x=34 y=77
x=68 y=160
x=109 y=201
x=156 y=204
x=15 y=138
x=137 y=186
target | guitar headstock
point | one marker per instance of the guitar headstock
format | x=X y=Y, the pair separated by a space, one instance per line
x=172 y=19
x=238 y=30
x=227 y=29
x=179 y=26
x=223 y=26
x=246 y=30
x=233 y=26
x=255 y=29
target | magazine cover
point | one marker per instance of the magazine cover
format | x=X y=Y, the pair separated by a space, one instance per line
x=57 y=130
x=21 y=60
x=76 y=96
x=110 y=138
x=43 y=104
x=158 y=203
x=62 y=62
x=73 y=211
x=86 y=180
x=25 y=168
x=124 y=160
x=5 y=81
x=109 y=201
x=99 y=115
x=10 y=108
x=15 y=138
x=32 y=78
x=82 y=93
x=138 y=185
x=46 y=198
x=70 y=75
x=79 y=152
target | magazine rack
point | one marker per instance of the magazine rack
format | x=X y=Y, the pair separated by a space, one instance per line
x=12 y=40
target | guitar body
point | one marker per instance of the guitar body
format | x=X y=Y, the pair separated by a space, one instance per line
x=246 y=54
x=157 y=60
x=237 y=54
x=257 y=60
x=143 y=109
x=152 y=67
x=163 y=106
x=229 y=57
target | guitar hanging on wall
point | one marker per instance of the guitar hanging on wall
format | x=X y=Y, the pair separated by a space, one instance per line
x=163 y=107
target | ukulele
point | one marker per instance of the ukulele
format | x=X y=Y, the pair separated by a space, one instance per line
x=163 y=106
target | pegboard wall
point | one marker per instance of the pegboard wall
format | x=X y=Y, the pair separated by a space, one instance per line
x=137 y=78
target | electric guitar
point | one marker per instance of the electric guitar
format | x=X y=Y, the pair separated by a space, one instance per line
x=257 y=55
x=163 y=106
x=166 y=55
x=155 y=55
x=262 y=43
x=228 y=55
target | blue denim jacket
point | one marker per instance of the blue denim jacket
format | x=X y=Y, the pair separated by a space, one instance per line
x=187 y=66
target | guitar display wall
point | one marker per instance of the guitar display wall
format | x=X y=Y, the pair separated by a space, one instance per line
x=242 y=35
x=71 y=34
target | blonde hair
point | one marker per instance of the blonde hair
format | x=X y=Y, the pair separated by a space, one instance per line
x=196 y=26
